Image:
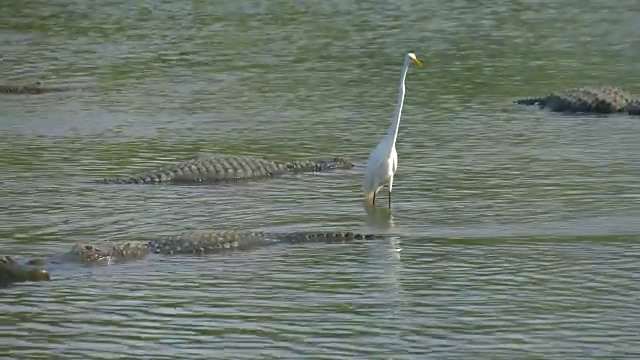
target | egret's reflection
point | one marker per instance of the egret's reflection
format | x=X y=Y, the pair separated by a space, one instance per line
x=378 y=217
x=387 y=255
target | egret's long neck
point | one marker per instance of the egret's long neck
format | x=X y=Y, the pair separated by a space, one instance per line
x=395 y=123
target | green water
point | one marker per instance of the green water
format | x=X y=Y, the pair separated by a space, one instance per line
x=518 y=228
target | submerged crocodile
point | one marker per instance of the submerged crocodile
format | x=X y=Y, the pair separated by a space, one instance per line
x=197 y=242
x=589 y=99
x=37 y=87
x=207 y=169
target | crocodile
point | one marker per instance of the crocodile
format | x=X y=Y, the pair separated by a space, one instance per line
x=208 y=169
x=37 y=87
x=195 y=242
x=602 y=99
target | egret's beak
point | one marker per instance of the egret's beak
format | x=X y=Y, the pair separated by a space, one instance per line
x=416 y=61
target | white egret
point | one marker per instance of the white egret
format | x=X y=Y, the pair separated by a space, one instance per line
x=383 y=160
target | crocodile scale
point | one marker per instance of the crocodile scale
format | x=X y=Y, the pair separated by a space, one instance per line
x=207 y=169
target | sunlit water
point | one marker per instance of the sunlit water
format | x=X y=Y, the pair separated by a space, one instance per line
x=513 y=233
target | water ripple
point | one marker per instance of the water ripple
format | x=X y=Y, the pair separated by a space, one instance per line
x=517 y=227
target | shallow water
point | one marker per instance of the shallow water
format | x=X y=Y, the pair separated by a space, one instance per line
x=518 y=228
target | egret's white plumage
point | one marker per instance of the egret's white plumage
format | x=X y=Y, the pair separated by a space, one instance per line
x=383 y=161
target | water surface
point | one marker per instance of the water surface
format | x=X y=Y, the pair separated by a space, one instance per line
x=518 y=228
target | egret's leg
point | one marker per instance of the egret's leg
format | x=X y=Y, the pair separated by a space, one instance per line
x=374 y=199
x=390 y=185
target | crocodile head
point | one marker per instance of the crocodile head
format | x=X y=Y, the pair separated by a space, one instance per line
x=38 y=87
x=11 y=271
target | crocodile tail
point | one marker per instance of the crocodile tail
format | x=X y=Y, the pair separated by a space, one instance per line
x=125 y=181
x=531 y=101
x=319 y=165
x=330 y=237
x=108 y=181
x=131 y=180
